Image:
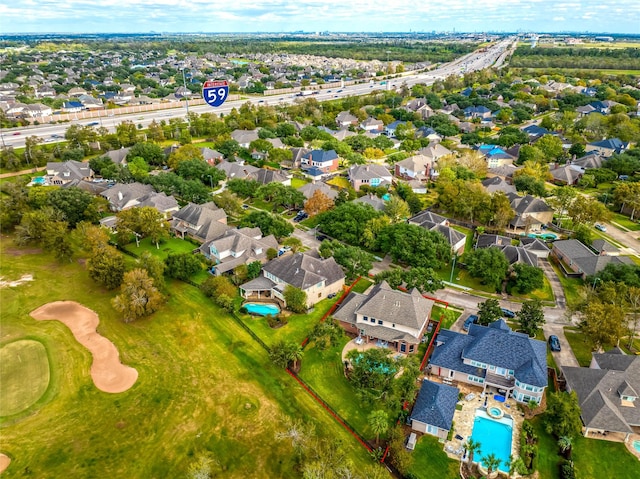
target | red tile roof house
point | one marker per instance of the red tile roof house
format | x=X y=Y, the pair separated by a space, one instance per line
x=388 y=317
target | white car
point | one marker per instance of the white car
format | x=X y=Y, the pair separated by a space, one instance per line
x=600 y=227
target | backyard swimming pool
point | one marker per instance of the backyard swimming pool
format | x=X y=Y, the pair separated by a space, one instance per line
x=636 y=445
x=261 y=309
x=494 y=436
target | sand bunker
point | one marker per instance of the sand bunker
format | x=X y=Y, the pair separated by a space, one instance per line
x=4 y=462
x=12 y=284
x=108 y=373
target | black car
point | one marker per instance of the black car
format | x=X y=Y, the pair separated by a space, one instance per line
x=472 y=319
x=322 y=237
x=508 y=313
x=554 y=343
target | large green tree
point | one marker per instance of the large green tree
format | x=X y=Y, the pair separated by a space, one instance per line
x=563 y=414
x=488 y=264
x=531 y=316
x=182 y=265
x=74 y=204
x=268 y=223
x=295 y=298
x=106 y=266
x=414 y=245
x=489 y=311
x=138 y=296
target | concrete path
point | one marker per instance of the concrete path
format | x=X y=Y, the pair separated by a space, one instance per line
x=565 y=356
x=556 y=285
x=23 y=172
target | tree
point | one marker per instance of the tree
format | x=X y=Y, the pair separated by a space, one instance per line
x=527 y=278
x=565 y=443
x=268 y=223
x=348 y=221
x=217 y=287
x=531 y=316
x=318 y=203
x=283 y=353
x=152 y=153
x=378 y=422
x=397 y=209
x=243 y=188
x=491 y=462
x=551 y=147
x=295 y=298
x=74 y=204
x=354 y=260
x=530 y=185
x=154 y=267
x=588 y=210
x=229 y=202
x=184 y=153
x=563 y=414
x=182 y=265
x=627 y=195
x=561 y=202
x=414 y=245
x=106 y=266
x=138 y=296
x=603 y=323
x=294 y=243
x=488 y=264
x=472 y=446
x=489 y=311
x=426 y=280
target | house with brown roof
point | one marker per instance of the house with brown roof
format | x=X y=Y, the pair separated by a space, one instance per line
x=317 y=277
x=345 y=119
x=387 y=317
x=236 y=169
x=608 y=393
x=123 y=196
x=265 y=176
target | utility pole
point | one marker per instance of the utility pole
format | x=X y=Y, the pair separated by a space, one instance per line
x=186 y=97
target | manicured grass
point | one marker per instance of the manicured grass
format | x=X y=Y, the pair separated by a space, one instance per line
x=571 y=286
x=362 y=285
x=548 y=457
x=204 y=385
x=468 y=245
x=625 y=221
x=580 y=346
x=167 y=247
x=324 y=372
x=339 y=181
x=430 y=460
x=298 y=182
x=543 y=294
x=448 y=315
x=24 y=375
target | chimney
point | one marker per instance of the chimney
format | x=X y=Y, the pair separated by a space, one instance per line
x=120 y=195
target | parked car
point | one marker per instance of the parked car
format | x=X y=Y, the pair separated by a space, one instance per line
x=472 y=319
x=244 y=207
x=322 y=237
x=600 y=227
x=554 y=343
x=508 y=313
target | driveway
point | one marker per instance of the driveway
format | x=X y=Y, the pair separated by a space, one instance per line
x=565 y=356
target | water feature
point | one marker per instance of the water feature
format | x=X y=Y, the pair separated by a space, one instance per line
x=494 y=436
x=261 y=309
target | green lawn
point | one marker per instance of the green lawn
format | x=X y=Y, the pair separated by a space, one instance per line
x=580 y=347
x=204 y=385
x=24 y=375
x=167 y=247
x=571 y=286
x=362 y=285
x=430 y=461
x=544 y=294
x=339 y=181
x=548 y=458
x=449 y=315
x=298 y=182
x=625 y=221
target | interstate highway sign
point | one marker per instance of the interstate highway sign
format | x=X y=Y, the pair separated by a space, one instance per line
x=215 y=92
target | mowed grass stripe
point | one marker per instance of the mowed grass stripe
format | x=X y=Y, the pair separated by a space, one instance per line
x=24 y=375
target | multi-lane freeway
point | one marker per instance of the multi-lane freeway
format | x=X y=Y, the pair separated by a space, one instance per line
x=479 y=60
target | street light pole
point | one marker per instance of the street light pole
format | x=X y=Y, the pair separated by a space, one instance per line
x=453 y=267
x=186 y=97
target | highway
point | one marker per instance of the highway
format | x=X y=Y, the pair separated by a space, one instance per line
x=474 y=61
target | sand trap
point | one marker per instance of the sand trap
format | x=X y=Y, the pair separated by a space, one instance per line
x=108 y=373
x=4 y=462
x=12 y=284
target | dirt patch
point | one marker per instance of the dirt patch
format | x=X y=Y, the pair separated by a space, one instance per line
x=108 y=373
x=4 y=462
x=12 y=284
x=22 y=251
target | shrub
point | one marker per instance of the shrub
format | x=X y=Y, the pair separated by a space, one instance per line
x=566 y=470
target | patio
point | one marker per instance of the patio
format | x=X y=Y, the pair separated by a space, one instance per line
x=353 y=344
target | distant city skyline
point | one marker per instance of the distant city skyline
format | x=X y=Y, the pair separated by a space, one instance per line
x=141 y=16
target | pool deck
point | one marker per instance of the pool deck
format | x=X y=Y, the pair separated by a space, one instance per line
x=629 y=444
x=465 y=418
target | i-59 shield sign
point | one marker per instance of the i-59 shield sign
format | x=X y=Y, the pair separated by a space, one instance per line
x=215 y=92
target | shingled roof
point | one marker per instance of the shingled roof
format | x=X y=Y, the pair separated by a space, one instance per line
x=303 y=271
x=435 y=405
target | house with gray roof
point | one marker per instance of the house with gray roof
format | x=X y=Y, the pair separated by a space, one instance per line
x=165 y=204
x=386 y=316
x=309 y=189
x=211 y=156
x=244 y=137
x=265 y=176
x=371 y=200
x=434 y=222
x=498 y=184
x=608 y=393
x=416 y=167
x=346 y=119
x=235 y=247
x=372 y=175
x=530 y=212
x=514 y=254
x=535 y=246
x=434 y=409
x=124 y=196
x=577 y=259
x=495 y=357
x=236 y=169
x=62 y=173
x=200 y=222
x=317 y=277
x=568 y=174
x=607 y=147
x=119 y=157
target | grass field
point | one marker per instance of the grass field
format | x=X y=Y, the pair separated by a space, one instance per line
x=204 y=385
x=298 y=182
x=580 y=347
x=24 y=375
x=167 y=247
x=430 y=460
x=448 y=315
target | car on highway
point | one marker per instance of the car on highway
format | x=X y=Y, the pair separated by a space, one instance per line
x=472 y=319
x=93 y=123
x=554 y=343
x=17 y=133
x=507 y=313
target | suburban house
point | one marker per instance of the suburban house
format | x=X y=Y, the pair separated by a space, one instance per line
x=606 y=148
x=167 y=205
x=119 y=156
x=493 y=356
x=577 y=259
x=265 y=176
x=325 y=161
x=435 y=222
x=391 y=318
x=390 y=129
x=419 y=106
x=317 y=277
x=589 y=160
x=514 y=254
x=62 y=173
x=434 y=409
x=417 y=167
x=530 y=212
x=495 y=156
x=235 y=169
x=568 y=174
x=372 y=125
x=371 y=200
x=534 y=132
x=244 y=137
x=296 y=158
x=434 y=152
x=496 y=184
x=608 y=392
x=211 y=156
x=481 y=112
x=124 y=196
x=372 y=175
x=345 y=119
x=236 y=247
x=200 y=222
x=309 y=189
x=535 y=246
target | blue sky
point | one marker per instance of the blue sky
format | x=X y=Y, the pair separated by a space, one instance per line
x=134 y=16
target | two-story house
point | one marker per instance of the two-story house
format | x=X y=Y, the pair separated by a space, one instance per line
x=200 y=222
x=389 y=317
x=495 y=357
x=62 y=173
x=372 y=175
x=323 y=160
x=317 y=277
x=236 y=247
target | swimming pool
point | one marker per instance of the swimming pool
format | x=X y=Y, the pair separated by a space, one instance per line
x=494 y=436
x=261 y=309
x=38 y=180
x=636 y=445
